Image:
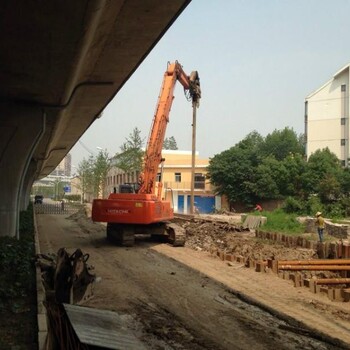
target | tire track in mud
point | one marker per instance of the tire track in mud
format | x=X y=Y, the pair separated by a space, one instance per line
x=243 y=288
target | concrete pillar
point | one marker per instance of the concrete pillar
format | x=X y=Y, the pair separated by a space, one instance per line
x=27 y=185
x=186 y=211
x=20 y=132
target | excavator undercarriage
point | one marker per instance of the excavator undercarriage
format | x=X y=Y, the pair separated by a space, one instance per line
x=124 y=234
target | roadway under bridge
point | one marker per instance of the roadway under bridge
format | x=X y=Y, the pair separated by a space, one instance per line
x=62 y=62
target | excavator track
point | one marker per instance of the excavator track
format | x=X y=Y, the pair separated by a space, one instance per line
x=176 y=234
x=124 y=234
x=121 y=234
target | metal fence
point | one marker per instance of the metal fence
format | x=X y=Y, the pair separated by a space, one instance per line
x=56 y=208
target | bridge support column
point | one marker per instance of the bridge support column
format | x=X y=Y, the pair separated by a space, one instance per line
x=27 y=185
x=20 y=130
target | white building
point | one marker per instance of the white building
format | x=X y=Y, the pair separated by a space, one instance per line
x=327 y=117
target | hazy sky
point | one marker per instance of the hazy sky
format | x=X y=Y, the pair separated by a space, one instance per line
x=257 y=61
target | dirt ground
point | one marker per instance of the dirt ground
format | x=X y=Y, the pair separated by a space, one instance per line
x=183 y=298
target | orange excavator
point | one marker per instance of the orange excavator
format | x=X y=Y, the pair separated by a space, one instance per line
x=128 y=214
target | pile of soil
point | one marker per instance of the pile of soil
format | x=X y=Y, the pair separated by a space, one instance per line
x=203 y=235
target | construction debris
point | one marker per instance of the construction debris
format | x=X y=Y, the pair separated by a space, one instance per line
x=207 y=235
x=66 y=277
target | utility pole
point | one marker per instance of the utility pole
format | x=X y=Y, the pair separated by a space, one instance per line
x=194 y=107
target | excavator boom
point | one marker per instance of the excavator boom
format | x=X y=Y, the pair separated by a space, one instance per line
x=153 y=155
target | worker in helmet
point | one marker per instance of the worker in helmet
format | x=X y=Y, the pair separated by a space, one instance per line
x=320 y=225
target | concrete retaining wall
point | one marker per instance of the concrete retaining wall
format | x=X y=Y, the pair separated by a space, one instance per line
x=341 y=231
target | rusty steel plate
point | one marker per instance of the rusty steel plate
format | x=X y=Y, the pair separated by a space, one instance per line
x=101 y=328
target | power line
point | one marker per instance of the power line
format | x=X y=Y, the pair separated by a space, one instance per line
x=86 y=148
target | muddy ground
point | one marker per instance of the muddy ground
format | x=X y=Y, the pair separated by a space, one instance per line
x=183 y=298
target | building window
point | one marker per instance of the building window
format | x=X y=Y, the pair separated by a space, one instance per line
x=177 y=177
x=342 y=121
x=343 y=87
x=199 y=181
x=343 y=162
x=158 y=178
x=342 y=142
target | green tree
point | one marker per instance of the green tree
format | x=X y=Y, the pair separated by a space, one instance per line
x=232 y=172
x=131 y=156
x=281 y=143
x=100 y=169
x=291 y=180
x=252 y=144
x=323 y=175
x=85 y=173
x=170 y=143
x=329 y=188
x=275 y=167
x=268 y=178
x=345 y=183
x=92 y=173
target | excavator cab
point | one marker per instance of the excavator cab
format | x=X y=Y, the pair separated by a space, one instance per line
x=126 y=188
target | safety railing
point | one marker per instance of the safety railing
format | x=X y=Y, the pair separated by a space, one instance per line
x=56 y=208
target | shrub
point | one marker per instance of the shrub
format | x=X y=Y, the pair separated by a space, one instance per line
x=335 y=211
x=73 y=197
x=292 y=205
x=313 y=205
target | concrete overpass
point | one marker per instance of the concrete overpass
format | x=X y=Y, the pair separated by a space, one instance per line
x=61 y=63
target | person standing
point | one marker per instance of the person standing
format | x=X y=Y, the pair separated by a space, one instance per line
x=320 y=225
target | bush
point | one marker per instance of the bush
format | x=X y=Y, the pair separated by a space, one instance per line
x=73 y=197
x=335 y=211
x=17 y=259
x=313 y=205
x=292 y=205
x=18 y=321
